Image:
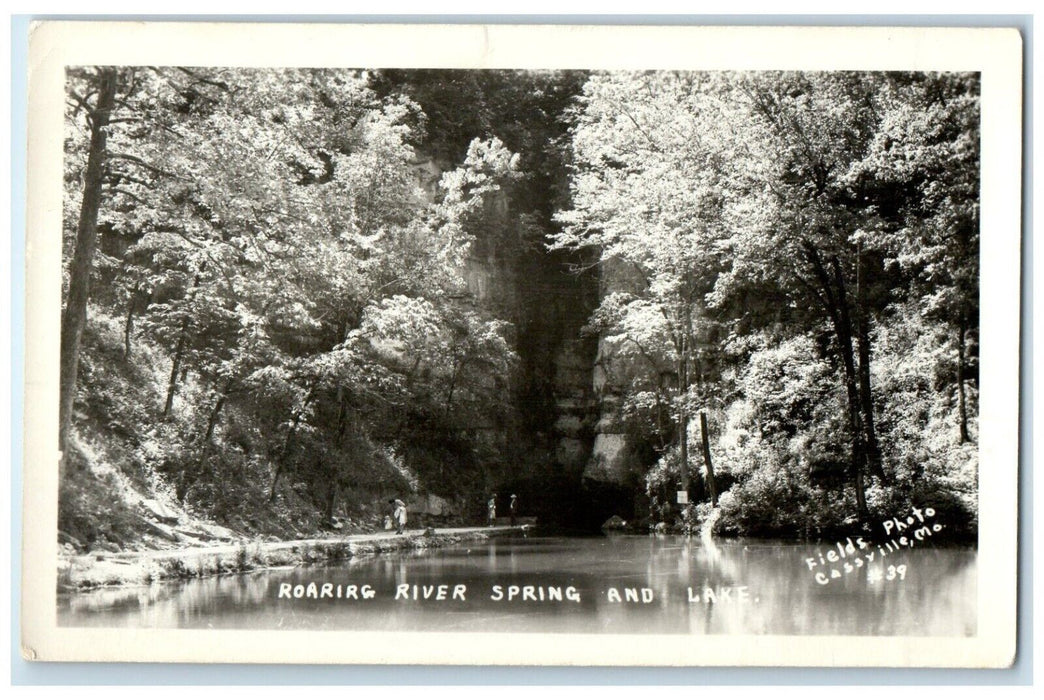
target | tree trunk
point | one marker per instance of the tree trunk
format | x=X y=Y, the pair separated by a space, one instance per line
x=843 y=330
x=128 y=329
x=175 y=369
x=860 y=494
x=74 y=317
x=711 y=484
x=331 y=501
x=873 y=450
x=683 y=418
x=190 y=474
x=288 y=445
x=452 y=387
x=342 y=415
x=836 y=306
x=855 y=423
x=179 y=353
x=218 y=405
x=961 y=400
x=284 y=454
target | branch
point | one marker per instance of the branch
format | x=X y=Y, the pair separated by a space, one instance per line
x=124 y=192
x=206 y=81
x=148 y=166
x=811 y=288
x=643 y=352
x=80 y=102
x=120 y=176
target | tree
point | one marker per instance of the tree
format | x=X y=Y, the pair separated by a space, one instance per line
x=266 y=230
x=94 y=95
x=729 y=206
x=926 y=157
x=828 y=211
x=649 y=152
x=804 y=232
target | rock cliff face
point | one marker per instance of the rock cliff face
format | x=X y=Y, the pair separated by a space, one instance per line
x=613 y=474
x=568 y=455
x=548 y=305
x=574 y=403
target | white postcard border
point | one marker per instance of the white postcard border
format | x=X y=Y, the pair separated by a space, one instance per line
x=997 y=53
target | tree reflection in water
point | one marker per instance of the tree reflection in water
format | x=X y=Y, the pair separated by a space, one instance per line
x=936 y=598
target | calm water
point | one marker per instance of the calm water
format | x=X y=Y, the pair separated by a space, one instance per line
x=677 y=585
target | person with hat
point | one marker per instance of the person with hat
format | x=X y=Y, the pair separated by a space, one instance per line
x=398 y=515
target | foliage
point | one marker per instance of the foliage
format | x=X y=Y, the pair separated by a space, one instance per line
x=266 y=241
x=285 y=321
x=793 y=254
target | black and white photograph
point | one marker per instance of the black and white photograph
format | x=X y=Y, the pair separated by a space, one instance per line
x=652 y=355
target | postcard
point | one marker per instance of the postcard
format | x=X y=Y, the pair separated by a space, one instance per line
x=522 y=345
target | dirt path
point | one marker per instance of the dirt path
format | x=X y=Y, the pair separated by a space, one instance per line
x=136 y=568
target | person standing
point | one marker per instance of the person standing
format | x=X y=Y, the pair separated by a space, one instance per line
x=398 y=515
x=513 y=508
x=491 y=511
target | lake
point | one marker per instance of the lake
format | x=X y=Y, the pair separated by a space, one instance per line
x=615 y=584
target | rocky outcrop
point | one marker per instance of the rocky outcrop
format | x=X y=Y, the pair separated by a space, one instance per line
x=548 y=305
x=562 y=405
x=430 y=504
x=571 y=382
x=159 y=512
x=574 y=404
x=428 y=173
x=613 y=461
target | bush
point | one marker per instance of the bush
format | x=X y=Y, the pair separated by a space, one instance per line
x=87 y=510
x=786 y=441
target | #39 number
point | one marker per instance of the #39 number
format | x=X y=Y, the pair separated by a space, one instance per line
x=890 y=574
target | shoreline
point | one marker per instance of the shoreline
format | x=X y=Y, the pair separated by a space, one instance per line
x=85 y=572
x=100 y=569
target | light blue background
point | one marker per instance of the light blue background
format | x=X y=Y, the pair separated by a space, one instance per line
x=24 y=673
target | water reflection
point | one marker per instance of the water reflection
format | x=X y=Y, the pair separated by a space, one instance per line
x=625 y=584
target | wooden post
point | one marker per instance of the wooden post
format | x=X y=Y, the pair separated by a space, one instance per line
x=707 y=460
x=961 y=402
x=683 y=420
